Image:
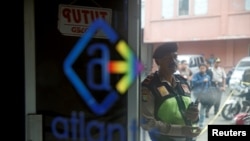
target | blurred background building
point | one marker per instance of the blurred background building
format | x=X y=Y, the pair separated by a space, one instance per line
x=218 y=27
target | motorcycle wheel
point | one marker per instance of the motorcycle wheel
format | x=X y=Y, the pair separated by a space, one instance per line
x=228 y=112
x=247 y=120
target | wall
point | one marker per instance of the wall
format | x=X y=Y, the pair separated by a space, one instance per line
x=220 y=22
x=230 y=51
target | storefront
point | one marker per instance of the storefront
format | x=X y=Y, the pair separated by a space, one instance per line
x=77 y=100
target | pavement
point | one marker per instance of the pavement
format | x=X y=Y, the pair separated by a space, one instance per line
x=215 y=119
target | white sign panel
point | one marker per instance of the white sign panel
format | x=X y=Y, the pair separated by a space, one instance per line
x=74 y=20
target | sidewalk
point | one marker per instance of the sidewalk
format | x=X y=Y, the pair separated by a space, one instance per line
x=215 y=119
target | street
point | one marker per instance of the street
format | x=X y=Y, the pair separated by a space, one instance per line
x=215 y=119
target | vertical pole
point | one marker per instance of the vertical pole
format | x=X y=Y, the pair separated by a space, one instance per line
x=29 y=56
x=133 y=92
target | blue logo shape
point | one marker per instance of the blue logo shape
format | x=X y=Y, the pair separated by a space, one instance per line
x=110 y=99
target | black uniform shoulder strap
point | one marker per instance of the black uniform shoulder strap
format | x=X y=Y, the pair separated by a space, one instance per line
x=182 y=80
x=149 y=80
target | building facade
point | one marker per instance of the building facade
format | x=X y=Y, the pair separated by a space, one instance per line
x=221 y=28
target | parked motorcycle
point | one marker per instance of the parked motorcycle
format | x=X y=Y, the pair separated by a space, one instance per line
x=243 y=118
x=234 y=106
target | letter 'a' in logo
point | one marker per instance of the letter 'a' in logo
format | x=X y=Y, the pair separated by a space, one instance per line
x=130 y=67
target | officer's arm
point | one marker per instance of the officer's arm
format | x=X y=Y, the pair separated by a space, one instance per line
x=148 y=121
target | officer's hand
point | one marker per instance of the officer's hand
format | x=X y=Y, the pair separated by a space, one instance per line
x=190 y=131
x=192 y=112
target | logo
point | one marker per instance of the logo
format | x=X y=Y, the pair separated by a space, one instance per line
x=129 y=66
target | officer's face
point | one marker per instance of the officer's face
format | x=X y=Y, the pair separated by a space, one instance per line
x=169 y=62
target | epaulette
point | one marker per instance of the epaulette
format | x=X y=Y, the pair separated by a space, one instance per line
x=148 y=79
x=180 y=77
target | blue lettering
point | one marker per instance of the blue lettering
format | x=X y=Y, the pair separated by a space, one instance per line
x=153 y=133
x=98 y=125
x=102 y=62
x=84 y=131
x=74 y=123
x=115 y=127
x=81 y=126
x=65 y=133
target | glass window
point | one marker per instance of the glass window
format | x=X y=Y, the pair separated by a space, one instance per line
x=192 y=63
x=167 y=8
x=183 y=7
x=200 y=7
x=247 y=5
x=59 y=100
x=249 y=50
x=244 y=64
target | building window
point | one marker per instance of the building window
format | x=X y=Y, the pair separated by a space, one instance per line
x=200 y=7
x=249 y=50
x=247 y=5
x=183 y=7
x=167 y=10
x=142 y=13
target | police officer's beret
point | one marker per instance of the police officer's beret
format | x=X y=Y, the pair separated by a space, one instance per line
x=164 y=49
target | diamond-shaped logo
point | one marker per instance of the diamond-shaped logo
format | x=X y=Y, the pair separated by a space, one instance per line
x=130 y=67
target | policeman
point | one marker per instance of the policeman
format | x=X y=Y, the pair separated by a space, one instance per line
x=167 y=112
